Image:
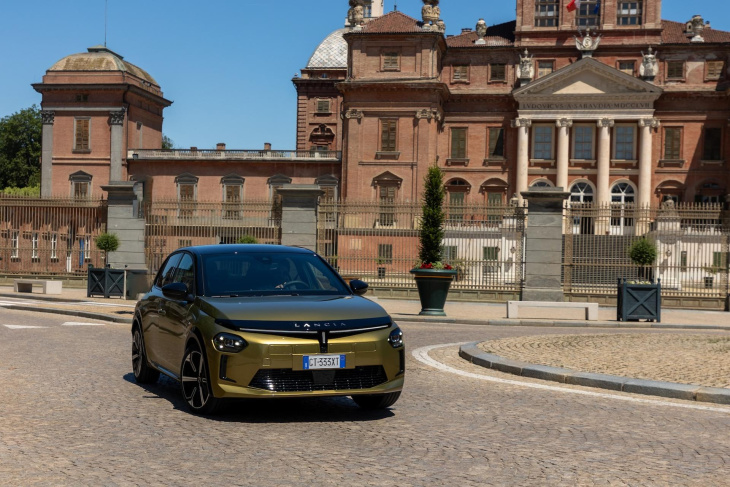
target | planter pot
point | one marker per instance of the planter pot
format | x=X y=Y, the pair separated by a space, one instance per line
x=639 y=301
x=433 y=288
x=115 y=283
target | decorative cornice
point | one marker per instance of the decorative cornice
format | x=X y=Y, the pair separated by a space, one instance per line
x=649 y=122
x=354 y=113
x=564 y=122
x=48 y=117
x=521 y=122
x=605 y=123
x=117 y=117
x=429 y=114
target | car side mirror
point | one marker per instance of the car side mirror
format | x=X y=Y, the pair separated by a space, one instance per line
x=359 y=287
x=177 y=291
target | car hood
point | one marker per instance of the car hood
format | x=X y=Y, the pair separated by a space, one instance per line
x=296 y=314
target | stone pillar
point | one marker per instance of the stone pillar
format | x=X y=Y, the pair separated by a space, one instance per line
x=603 y=191
x=645 y=165
x=116 y=121
x=563 y=158
x=47 y=118
x=645 y=169
x=544 y=244
x=299 y=214
x=523 y=153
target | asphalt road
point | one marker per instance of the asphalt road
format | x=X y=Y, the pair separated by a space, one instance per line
x=71 y=414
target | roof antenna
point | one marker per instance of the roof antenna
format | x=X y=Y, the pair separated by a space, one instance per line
x=106 y=9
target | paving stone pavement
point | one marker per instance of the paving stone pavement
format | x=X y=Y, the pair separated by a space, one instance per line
x=683 y=358
x=71 y=414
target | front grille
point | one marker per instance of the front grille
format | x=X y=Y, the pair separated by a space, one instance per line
x=287 y=380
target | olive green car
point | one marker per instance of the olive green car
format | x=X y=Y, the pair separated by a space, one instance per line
x=264 y=321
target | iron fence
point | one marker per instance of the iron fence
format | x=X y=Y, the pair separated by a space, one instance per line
x=170 y=225
x=50 y=236
x=691 y=240
x=378 y=242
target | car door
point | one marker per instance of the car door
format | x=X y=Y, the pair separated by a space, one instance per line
x=177 y=318
x=152 y=308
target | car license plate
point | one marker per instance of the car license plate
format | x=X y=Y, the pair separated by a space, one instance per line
x=321 y=362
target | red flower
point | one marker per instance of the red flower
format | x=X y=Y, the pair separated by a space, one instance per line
x=426 y=266
x=448 y=267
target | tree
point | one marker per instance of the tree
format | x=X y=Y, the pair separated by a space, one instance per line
x=20 y=148
x=108 y=242
x=642 y=253
x=432 y=224
x=167 y=142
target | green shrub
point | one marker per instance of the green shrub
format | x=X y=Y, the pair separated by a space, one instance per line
x=642 y=252
x=247 y=239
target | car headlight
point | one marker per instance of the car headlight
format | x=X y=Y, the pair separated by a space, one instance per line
x=396 y=338
x=226 y=342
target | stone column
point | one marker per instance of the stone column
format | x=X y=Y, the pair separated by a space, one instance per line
x=299 y=214
x=523 y=153
x=47 y=118
x=645 y=170
x=603 y=191
x=116 y=121
x=563 y=125
x=544 y=244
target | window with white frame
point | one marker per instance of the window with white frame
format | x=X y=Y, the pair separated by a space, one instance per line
x=583 y=142
x=34 y=243
x=54 y=246
x=624 y=148
x=15 y=245
x=542 y=142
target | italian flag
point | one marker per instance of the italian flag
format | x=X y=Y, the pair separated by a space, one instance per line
x=574 y=5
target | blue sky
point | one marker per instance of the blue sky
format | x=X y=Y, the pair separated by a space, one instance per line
x=227 y=64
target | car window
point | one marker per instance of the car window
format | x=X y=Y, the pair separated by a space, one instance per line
x=167 y=272
x=185 y=272
x=242 y=274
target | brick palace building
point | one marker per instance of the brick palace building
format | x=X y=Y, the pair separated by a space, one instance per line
x=608 y=101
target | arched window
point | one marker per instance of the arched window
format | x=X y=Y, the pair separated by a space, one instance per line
x=387 y=185
x=581 y=192
x=623 y=193
x=709 y=192
x=541 y=183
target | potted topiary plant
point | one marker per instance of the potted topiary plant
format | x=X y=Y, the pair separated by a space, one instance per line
x=640 y=299
x=108 y=242
x=433 y=277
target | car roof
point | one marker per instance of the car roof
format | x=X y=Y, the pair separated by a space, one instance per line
x=246 y=248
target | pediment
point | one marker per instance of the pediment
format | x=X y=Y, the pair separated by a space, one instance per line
x=587 y=78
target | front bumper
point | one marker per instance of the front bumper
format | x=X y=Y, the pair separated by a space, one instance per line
x=272 y=366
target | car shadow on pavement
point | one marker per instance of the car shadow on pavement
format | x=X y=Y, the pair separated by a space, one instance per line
x=279 y=410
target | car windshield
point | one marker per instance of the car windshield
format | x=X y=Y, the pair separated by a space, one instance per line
x=261 y=274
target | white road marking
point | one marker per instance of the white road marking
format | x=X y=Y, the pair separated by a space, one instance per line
x=76 y=323
x=421 y=354
x=22 y=327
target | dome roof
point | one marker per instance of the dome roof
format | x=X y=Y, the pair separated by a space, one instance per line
x=99 y=58
x=331 y=53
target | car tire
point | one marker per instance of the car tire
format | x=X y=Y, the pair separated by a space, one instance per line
x=143 y=373
x=376 y=401
x=195 y=380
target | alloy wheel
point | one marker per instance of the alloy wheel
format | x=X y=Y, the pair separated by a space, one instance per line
x=195 y=379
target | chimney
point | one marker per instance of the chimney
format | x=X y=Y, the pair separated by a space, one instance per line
x=466 y=30
x=193 y=149
x=267 y=145
x=220 y=146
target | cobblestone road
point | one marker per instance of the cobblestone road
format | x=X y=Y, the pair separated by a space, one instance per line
x=71 y=414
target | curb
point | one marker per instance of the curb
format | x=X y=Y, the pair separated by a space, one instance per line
x=69 y=312
x=560 y=323
x=472 y=353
